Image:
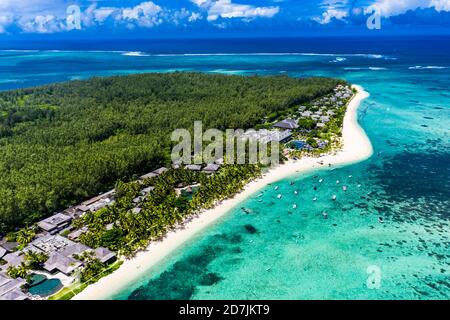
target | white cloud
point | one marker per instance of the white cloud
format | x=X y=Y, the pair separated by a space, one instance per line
x=339 y=9
x=5 y=21
x=47 y=16
x=441 y=5
x=331 y=14
x=146 y=14
x=333 y=9
x=144 y=10
x=195 y=16
x=42 y=24
x=101 y=14
x=31 y=14
x=227 y=9
x=390 y=8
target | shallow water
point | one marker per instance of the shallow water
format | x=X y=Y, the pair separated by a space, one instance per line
x=278 y=252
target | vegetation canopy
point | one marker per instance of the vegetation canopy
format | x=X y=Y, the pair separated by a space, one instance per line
x=62 y=143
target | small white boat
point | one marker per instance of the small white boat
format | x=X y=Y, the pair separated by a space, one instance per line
x=350 y=177
x=279 y=196
x=321 y=180
x=344 y=188
x=276 y=188
x=294 y=206
x=296 y=192
x=315 y=199
x=268 y=269
x=359 y=186
x=337 y=182
x=325 y=215
x=334 y=197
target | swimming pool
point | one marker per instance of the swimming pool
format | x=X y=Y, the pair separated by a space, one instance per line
x=298 y=144
x=40 y=285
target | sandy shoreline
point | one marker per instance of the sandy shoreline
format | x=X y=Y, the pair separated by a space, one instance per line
x=356 y=147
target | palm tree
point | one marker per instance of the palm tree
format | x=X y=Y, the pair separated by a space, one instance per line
x=20 y=271
x=25 y=236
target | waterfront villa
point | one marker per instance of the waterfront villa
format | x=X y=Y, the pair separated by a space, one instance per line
x=60 y=263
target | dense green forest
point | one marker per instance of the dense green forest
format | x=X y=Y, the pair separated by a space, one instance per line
x=62 y=143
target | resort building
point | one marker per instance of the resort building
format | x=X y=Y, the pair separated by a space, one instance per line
x=147 y=190
x=148 y=176
x=287 y=124
x=211 y=168
x=13 y=259
x=74 y=250
x=306 y=114
x=51 y=243
x=193 y=167
x=10 y=289
x=138 y=199
x=55 y=223
x=9 y=246
x=75 y=235
x=63 y=252
x=2 y=252
x=58 y=262
x=160 y=171
x=99 y=202
x=325 y=119
x=322 y=144
x=105 y=255
x=136 y=210
x=75 y=212
x=82 y=208
x=266 y=136
x=153 y=174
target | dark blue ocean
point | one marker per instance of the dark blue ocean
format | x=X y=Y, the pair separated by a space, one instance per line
x=296 y=254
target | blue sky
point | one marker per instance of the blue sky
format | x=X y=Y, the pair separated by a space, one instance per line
x=193 y=18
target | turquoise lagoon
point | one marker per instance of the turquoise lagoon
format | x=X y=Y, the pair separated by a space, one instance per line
x=273 y=251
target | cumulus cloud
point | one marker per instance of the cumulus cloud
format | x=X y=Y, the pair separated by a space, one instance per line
x=42 y=24
x=48 y=16
x=146 y=14
x=102 y=14
x=389 y=8
x=5 y=21
x=441 y=5
x=30 y=14
x=194 y=17
x=331 y=14
x=343 y=9
x=227 y=9
x=333 y=10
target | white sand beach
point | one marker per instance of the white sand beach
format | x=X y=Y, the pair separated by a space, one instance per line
x=356 y=148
